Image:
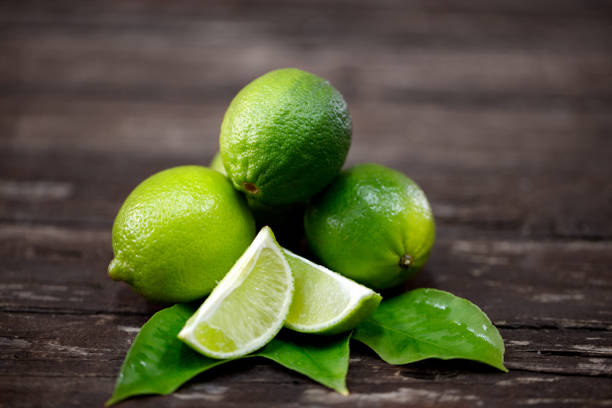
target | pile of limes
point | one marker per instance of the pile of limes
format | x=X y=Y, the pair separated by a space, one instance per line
x=188 y=231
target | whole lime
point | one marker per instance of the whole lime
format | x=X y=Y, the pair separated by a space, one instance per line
x=372 y=224
x=285 y=136
x=178 y=233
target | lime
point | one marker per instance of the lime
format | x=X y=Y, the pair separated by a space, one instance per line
x=217 y=164
x=326 y=302
x=372 y=224
x=285 y=136
x=178 y=233
x=248 y=307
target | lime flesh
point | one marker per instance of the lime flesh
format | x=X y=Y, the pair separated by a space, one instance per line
x=326 y=302
x=248 y=307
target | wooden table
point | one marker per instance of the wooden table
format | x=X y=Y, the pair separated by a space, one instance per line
x=501 y=111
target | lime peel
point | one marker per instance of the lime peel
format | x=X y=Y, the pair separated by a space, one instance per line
x=174 y=223
x=286 y=128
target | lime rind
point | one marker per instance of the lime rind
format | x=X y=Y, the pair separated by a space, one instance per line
x=249 y=305
x=355 y=302
x=286 y=128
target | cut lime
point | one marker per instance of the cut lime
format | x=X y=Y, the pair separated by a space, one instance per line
x=248 y=307
x=326 y=302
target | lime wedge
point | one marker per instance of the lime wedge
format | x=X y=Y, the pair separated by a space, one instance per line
x=248 y=307
x=326 y=302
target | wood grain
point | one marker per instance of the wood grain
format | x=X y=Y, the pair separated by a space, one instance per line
x=501 y=110
x=65 y=356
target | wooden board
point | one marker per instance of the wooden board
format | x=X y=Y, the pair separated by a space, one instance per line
x=500 y=110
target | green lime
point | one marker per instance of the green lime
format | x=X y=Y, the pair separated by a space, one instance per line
x=372 y=224
x=248 y=307
x=178 y=233
x=217 y=164
x=326 y=302
x=285 y=136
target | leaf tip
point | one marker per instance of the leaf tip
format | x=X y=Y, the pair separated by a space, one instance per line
x=110 y=402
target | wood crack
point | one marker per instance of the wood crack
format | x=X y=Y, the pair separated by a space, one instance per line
x=506 y=326
x=570 y=353
x=561 y=372
x=76 y=312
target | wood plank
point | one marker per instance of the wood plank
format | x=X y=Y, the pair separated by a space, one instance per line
x=107 y=62
x=186 y=8
x=574 y=25
x=61 y=350
x=116 y=65
x=543 y=284
x=517 y=184
x=542 y=390
x=144 y=10
x=520 y=117
x=467 y=57
x=56 y=270
x=455 y=135
x=53 y=344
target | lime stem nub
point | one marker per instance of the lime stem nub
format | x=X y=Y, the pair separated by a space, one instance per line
x=115 y=270
x=250 y=188
x=405 y=261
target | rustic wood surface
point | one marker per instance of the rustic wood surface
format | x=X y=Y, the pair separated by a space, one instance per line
x=500 y=110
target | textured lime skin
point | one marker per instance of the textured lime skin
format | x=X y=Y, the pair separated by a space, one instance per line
x=373 y=225
x=285 y=136
x=178 y=233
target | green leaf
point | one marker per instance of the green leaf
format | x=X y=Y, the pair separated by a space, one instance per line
x=321 y=358
x=430 y=323
x=159 y=363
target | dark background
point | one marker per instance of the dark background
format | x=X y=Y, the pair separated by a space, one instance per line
x=500 y=110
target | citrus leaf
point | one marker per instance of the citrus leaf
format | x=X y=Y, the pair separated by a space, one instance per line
x=430 y=323
x=159 y=363
x=324 y=359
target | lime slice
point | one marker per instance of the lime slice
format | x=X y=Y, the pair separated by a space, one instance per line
x=248 y=307
x=326 y=302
